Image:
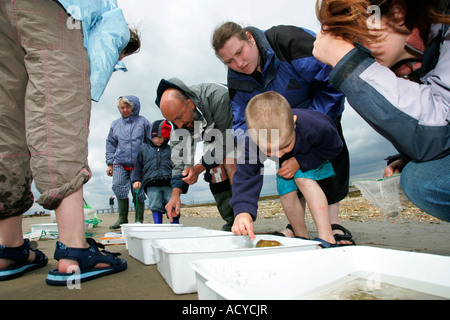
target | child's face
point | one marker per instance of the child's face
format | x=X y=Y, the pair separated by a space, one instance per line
x=279 y=150
x=158 y=141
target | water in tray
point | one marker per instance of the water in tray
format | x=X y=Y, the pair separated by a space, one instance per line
x=362 y=289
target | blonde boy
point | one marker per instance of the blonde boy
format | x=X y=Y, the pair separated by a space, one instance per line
x=304 y=141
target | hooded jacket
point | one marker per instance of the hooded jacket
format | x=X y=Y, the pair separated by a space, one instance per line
x=125 y=137
x=212 y=106
x=290 y=69
x=154 y=164
x=105 y=33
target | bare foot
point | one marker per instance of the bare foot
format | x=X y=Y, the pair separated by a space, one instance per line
x=342 y=242
x=69 y=266
x=288 y=233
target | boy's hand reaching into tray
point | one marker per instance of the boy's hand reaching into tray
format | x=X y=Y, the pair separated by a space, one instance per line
x=243 y=225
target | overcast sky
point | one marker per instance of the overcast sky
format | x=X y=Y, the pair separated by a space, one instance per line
x=176 y=43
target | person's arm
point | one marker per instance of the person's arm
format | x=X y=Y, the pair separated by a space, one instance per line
x=111 y=146
x=136 y=173
x=243 y=225
x=238 y=105
x=182 y=156
x=247 y=184
x=394 y=167
x=217 y=110
x=326 y=98
x=329 y=49
x=317 y=140
x=295 y=45
x=173 y=207
x=288 y=168
x=190 y=174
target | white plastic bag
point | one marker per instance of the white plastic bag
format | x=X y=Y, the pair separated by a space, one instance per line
x=385 y=194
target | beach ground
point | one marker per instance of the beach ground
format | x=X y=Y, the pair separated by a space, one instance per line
x=411 y=230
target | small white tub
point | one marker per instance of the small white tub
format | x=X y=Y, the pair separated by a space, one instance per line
x=320 y=274
x=131 y=227
x=140 y=243
x=49 y=227
x=175 y=254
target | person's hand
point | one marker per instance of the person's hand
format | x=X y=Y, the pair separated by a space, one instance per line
x=330 y=49
x=110 y=170
x=173 y=207
x=137 y=185
x=394 y=167
x=289 y=168
x=243 y=225
x=191 y=174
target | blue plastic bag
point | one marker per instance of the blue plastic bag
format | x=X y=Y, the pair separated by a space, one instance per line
x=106 y=34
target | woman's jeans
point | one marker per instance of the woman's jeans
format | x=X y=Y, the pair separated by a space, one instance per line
x=427 y=185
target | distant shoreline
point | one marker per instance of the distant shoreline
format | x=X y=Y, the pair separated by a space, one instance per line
x=353 y=193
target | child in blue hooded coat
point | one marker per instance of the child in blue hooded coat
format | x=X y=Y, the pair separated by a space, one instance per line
x=153 y=171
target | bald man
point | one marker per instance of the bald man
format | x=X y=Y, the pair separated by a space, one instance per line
x=200 y=113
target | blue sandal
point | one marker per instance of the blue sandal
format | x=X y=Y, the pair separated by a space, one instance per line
x=325 y=244
x=20 y=255
x=87 y=260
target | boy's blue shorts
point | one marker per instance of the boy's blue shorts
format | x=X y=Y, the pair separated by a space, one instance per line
x=324 y=171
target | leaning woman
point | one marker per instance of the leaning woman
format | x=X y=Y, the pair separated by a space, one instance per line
x=391 y=60
x=280 y=59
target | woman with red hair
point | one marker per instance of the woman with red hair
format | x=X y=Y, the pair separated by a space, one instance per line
x=391 y=60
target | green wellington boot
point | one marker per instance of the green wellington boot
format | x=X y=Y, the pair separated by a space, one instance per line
x=123 y=213
x=140 y=212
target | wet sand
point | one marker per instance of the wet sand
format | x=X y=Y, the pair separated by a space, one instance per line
x=411 y=230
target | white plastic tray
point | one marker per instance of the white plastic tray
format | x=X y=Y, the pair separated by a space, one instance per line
x=131 y=227
x=140 y=243
x=175 y=254
x=310 y=274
